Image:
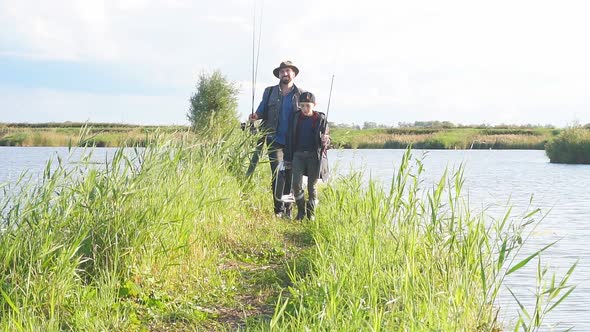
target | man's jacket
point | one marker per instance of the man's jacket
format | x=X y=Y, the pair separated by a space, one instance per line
x=272 y=100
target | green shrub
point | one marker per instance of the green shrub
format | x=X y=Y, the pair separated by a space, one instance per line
x=433 y=143
x=514 y=131
x=15 y=139
x=413 y=131
x=3 y=130
x=572 y=146
x=395 y=145
x=213 y=107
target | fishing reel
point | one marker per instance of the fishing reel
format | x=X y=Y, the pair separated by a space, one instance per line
x=250 y=126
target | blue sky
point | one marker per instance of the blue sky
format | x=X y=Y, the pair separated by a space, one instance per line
x=92 y=77
x=137 y=61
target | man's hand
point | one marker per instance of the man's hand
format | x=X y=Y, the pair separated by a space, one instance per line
x=253 y=117
x=325 y=140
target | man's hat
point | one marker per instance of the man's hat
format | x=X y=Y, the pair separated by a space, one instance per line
x=285 y=64
x=307 y=97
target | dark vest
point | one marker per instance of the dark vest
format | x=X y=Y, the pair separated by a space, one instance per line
x=270 y=122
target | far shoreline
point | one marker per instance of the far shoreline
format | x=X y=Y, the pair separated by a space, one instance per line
x=343 y=136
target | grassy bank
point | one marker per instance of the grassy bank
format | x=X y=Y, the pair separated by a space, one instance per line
x=80 y=134
x=114 y=135
x=572 y=146
x=165 y=239
x=172 y=237
x=443 y=138
x=407 y=259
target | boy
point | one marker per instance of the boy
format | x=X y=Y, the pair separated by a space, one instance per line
x=307 y=139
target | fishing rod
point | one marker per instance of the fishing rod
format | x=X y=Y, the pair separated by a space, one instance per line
x=255 y=58
x=329 y=98
x=253 y=55
x=324 y=150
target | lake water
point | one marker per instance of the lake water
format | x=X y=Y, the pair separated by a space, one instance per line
x=32 y=160
x=492 y=178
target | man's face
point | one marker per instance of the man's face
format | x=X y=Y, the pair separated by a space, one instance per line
x=286 y=75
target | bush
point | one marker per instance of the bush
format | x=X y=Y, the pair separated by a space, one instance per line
x=413 y=131
x=572 y=146
x=3 y=130
x=511 y=131
x=213 y=108
x=16 y=139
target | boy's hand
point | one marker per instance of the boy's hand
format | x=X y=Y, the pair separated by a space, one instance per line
x=253 y=117
x=325 y=140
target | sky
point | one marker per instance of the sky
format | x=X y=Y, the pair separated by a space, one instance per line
x=138 y=61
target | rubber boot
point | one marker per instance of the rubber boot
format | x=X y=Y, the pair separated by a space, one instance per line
x=310 y=210
x=300 y=209
x=288 y=209
x=279 y=209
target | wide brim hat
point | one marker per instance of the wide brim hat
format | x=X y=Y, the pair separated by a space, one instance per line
x=285 y=64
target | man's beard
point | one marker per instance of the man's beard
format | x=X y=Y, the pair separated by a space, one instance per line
x=286 y=80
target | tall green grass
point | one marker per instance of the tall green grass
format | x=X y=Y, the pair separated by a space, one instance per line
x=404 y=259
x=161 y=237
x=572 y=146
x=173 y=237
x=118 y=135
x=94 y=136
x=441 y=138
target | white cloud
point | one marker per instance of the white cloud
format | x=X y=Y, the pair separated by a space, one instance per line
x=457 y=59
x=63 y=30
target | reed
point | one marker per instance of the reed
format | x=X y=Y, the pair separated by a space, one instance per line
x=99 y=137
x=407 y=259
x=572 y=146
x=509 y=142
x=441 y=138
x=169 y=235
x=113 y=135
x=3 y=130
x=172 y=237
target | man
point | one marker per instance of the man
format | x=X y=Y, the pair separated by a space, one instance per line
x=278 y=103
x=306 y=142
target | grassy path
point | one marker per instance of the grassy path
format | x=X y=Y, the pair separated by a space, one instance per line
x=262 y=277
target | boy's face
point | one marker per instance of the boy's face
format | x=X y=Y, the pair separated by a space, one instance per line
x=306 y=108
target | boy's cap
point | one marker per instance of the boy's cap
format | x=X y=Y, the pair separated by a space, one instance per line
x=307 y=97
